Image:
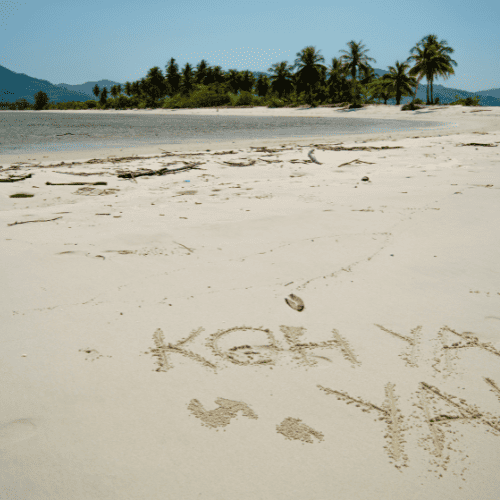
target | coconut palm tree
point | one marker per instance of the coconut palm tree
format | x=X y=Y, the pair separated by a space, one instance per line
x=382 y=88
x=114 y=91
x=135 y=87
x=281 y=78
x=420 y=70
x=173 y=77
x=337 y=81
x=104 y=96
x=440 y=63
x=310 y=70
x=233 y=81
x=400 y=83
x=247 y=81
x=96 y=90
x=187 y=79
x=155 y=85
x=262 y=86
x=356 y=58
x=128 y=88
x=201 y=72
x=218 y=75
x=431 y=58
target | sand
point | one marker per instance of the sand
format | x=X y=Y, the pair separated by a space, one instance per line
x=289 y=331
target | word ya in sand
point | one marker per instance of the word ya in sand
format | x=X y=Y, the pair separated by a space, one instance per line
x=265 y=354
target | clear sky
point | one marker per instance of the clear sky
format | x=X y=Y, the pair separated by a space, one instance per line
x=74 y=41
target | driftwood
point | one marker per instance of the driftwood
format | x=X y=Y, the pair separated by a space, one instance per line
x=313 y=158
x=479 y=144
x=354 y=148
x=161 y=171
x=270 y=161
x=356 y=161
x=76 y=183
x=16 y=179
x=235 y=164
x=27 y=221
x=264 y=149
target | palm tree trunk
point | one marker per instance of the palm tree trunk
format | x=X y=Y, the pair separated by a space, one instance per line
x=416 y=89
x=432 y=91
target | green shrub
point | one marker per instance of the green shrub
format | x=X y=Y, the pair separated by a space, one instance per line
x=410 y=106
x=245 y=99
x=419 y=101
x=41 y=100
x=207 y=97
x=468 y=101
x=91 y=104
x=276 y=102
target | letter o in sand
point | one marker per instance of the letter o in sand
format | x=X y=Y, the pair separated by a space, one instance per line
x=238 y=345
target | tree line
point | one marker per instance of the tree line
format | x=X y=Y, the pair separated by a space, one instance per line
x=349 y=79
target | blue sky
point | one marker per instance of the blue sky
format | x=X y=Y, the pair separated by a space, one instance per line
x=70 y=41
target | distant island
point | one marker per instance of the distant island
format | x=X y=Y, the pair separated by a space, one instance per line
x=349 y=80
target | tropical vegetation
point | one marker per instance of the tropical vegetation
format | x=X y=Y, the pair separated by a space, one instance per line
x=348 y=81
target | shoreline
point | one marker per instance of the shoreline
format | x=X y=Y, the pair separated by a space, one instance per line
x=460 y=119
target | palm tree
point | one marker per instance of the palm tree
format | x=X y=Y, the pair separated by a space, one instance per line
x=104 y=96
x=247 y=81
x=281 y=78
x=431 y=58
x=420 y=69
x=218 y=76
x=356 y=58
x=96 y=90
x=310 y=70
x=119 y=88
x=173 y=77
x=114 y=91
x=262 y=86
x=136 y=88
x=400 y=83
x=155 y=85
x=337 y=85
x=382 y=88
x=201 y=72
x=233 y=81
x=440 y=63
x=128 y=88
x=187 y=79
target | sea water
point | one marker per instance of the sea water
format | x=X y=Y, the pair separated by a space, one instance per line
x=30 y=132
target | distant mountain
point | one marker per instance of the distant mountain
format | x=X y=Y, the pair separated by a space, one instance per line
x=87 y=87
x=447 y=95
x=491 y=92
x=15 y=86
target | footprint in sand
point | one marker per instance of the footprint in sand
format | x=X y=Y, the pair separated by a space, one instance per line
x=17 y=430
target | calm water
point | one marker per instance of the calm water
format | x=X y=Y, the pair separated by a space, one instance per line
x=37 y=132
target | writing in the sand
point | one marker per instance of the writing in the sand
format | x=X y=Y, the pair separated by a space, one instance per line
x=266 y=353
x=436 y=408
x=233 y=347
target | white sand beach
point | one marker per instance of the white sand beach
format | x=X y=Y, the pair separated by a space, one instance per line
x=255 y=325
